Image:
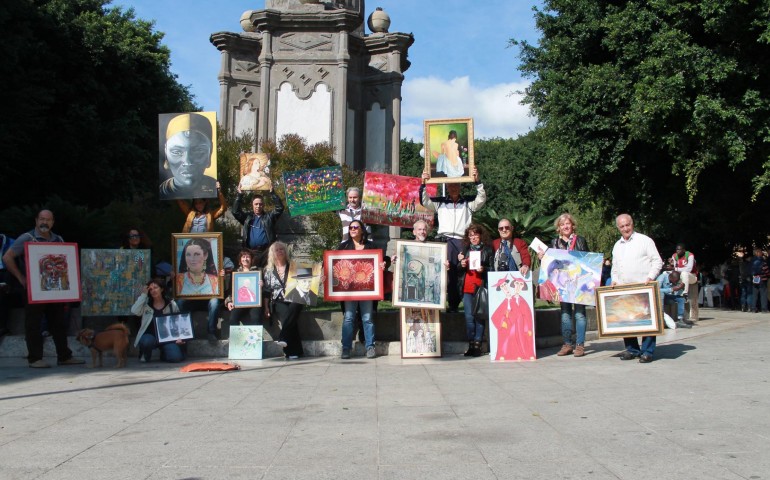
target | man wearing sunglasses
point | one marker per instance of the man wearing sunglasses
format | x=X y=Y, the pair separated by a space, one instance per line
x=511 y=254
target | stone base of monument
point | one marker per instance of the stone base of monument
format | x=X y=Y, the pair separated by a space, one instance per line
x=320 y=332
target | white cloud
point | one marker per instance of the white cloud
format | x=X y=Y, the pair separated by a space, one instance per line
x=496 y=110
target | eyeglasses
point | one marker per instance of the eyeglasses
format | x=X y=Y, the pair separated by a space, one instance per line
x=504 y=228
x=354 y=227
x=134 y=236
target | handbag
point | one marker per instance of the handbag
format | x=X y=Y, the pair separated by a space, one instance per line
x=481 y=303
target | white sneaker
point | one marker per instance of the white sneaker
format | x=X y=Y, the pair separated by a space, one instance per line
x=281 y=343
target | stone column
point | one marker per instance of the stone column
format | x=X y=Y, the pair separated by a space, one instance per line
x=265 y=91
x=340 y=100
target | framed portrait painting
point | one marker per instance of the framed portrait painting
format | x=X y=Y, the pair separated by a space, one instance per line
x=173 y=327
x=420 y=333
x=112 y=279
x=246 y=289
x=629 y=310
x=353 y=275
x=420 y=278
x=303 y=284
x=187 y=151
x=255 y=172
x=449 y=150
x=197 y=263
x=52 y=272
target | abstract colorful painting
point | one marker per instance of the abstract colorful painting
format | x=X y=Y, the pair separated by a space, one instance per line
x=314 y=190
x=629 y=310
x=420 y=274
x=394 y=200
x=53 y=273
x=511 y=318
x=420 y=333
x=570 y=276
x=112 y=279
x=245 y=342
x=353 y=275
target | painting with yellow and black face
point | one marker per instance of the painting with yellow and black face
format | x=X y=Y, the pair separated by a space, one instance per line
x=188 y=155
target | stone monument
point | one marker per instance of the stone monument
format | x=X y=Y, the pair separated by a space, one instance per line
x=307 y=67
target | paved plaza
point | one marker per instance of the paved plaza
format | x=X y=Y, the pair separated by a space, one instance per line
x=701 y=410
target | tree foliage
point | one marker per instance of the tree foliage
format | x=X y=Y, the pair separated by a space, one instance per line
x=660 y=108
x=83 y=84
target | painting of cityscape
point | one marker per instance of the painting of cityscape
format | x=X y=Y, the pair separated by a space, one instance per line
x=112 y=280
x=314 y=190
x=420 y=275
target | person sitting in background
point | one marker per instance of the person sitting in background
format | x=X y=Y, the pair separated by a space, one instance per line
x=672 y=288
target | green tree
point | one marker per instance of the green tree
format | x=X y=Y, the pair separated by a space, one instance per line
x=661 y=109
x=83 y=84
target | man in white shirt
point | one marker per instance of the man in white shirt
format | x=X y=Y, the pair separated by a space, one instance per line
x=635 y=259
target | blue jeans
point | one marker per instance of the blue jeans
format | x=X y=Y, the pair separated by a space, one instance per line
x=580 y=323
x=759 y=290
x=747 y=295
x=679 y=300
x=348 y=324
x=169 y=352
x=212 y=305
x=632 y=345
x=474 y=327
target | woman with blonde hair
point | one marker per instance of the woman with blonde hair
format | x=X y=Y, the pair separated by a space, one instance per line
x=567 y=239
x=274 y=278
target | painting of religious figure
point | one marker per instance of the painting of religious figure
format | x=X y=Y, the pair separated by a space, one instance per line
x=570 y=276
x=420 y=275
x=511 y=318
x=52 y=272
x=187 y=145
x=394 y=200
x=420 y=333
x=314 y=190
x=246 y=289
x=449 y=150
x=629 y=310
x=255 y=172
x=112 y=279
x=353 y=275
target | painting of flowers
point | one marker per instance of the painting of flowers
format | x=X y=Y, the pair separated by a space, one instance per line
x=245 y=342
x=394 y=200
x=314 y=190
x=353 y=275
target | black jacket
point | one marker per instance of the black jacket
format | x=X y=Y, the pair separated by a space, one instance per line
x=487 y=259
x=268 y=219
x=581 y=245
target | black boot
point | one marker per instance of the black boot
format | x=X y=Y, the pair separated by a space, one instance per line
x=469 y=353
x=476 y=349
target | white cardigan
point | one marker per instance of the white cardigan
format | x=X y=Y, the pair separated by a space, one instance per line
x=142 y=309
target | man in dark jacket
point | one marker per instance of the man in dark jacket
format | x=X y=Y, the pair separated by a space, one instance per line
x=258 y=226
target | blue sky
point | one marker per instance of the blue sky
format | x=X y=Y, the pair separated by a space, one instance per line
x=461 y=63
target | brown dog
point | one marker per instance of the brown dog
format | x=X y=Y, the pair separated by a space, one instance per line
x=114 y=337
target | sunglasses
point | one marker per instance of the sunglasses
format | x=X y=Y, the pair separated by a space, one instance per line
x=354 y=227
x=134 y=236
x=504 y=229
